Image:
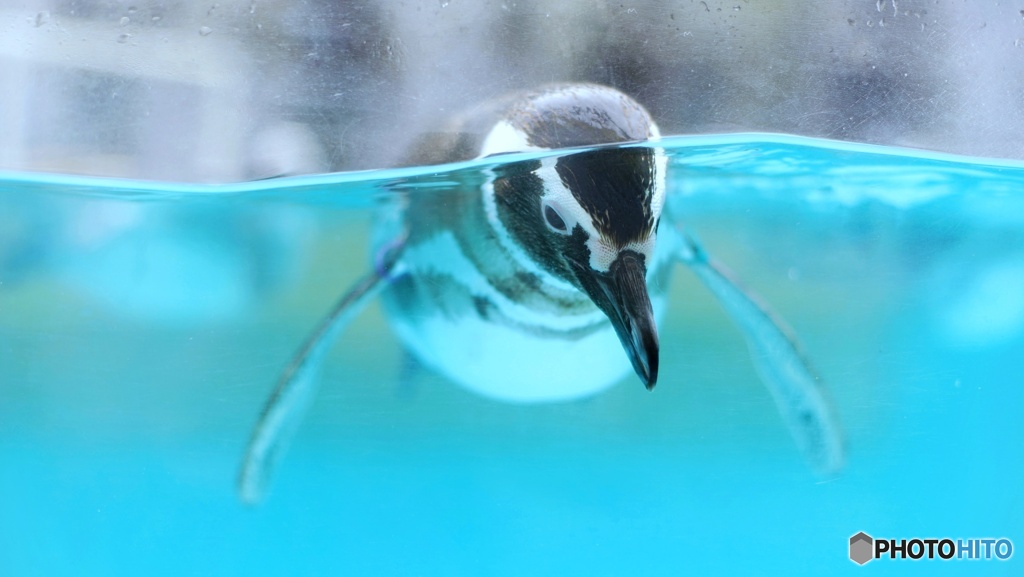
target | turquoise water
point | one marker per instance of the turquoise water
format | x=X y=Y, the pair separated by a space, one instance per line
x=142 y=325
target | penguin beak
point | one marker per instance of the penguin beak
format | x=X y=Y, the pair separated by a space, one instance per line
x=622 y=294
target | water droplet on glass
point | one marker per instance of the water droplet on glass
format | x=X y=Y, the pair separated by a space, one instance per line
x=205 y=30
x=42 y=18
x=125 y=21
x=123 y=38
x=444 y=3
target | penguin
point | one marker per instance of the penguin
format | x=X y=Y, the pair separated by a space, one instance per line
x=542 y=280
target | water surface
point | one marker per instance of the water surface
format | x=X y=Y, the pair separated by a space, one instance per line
x=142 y=324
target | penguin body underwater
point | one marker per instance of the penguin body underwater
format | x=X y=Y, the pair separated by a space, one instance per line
x=527 y=284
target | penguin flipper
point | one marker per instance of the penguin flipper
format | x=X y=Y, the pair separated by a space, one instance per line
x=796 y=388
x=287 y=404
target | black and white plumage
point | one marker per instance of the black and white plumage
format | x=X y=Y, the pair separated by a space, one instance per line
x=525 y=265
x=528 y=284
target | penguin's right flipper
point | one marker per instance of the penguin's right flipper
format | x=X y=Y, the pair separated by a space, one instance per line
x=799 y=395
x=286 y=406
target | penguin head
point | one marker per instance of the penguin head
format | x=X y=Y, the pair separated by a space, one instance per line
x=589 y=218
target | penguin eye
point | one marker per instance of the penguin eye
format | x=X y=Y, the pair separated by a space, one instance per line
x=554 y=220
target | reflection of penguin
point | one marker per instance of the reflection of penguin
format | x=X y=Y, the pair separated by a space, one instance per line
x=527 y=284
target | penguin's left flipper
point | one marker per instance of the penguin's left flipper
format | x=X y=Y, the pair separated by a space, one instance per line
x=287 y=405
x=798 y=391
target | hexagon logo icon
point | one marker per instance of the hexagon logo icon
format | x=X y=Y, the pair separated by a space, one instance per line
x=861 y=545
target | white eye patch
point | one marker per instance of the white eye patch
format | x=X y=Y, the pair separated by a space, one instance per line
x=561 y=202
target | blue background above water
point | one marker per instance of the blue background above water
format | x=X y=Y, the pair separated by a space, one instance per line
x=141 y=326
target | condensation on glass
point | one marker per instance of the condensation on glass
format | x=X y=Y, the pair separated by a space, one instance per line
x=241 y=89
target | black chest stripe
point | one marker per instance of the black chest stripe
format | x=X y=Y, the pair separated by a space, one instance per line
x=452 y=299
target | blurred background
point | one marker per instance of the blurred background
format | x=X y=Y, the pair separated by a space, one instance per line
x=227 y=90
